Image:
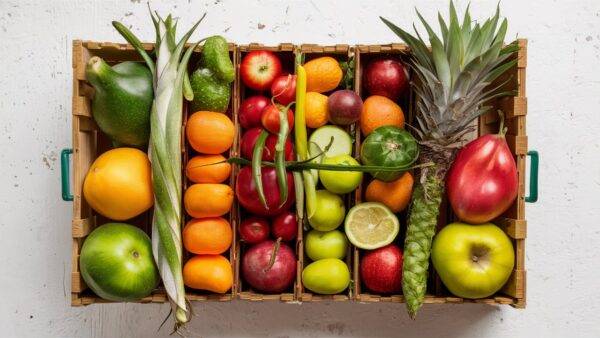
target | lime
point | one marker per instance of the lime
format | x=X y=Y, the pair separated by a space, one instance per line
x=329 y=211
x=371 y=225
x=340 y=182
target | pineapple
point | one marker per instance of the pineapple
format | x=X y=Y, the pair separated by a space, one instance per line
x=452 y=85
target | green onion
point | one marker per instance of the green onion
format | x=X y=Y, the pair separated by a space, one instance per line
x=256 y=166
x=165 y=153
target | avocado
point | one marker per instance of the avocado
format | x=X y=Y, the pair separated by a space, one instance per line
x=209 y=93
x=122 y=100
x=215 y=56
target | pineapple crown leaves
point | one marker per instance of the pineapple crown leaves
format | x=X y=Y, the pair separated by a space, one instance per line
x=455 y=74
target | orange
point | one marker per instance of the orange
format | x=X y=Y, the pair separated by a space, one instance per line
x=209 y=132
x=208 y=272
x=207 y=235
x=200 y=169
x=323 y=74
x=395 y=194
x=118 y=184
x=208 y=200
x=316 y=110
x=380 y=111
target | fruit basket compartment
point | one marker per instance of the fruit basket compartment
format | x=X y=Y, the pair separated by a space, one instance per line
x=285 y=52
x=342 y=53
x=363 y=55
x=88 y=143
x=512 y=221
x=188 y=153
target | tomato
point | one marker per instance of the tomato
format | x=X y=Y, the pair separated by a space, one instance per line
x=389 y=146
x=246 y=193
x=249 y=139
x=283 y=89
x=270 y=118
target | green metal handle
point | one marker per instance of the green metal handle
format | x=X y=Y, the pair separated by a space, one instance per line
x=64 y=174
x=533 y=176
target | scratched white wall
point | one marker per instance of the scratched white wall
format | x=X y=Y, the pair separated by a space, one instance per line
x=563 y=124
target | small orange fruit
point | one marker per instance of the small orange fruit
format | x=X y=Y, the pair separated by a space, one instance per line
x=211 y=235
x=208 y=200
x=207 y=169
x=209 y=132
x=316 y=110
x=380 y=111
x=323 y=74
x=208 y=272
x=395 y=194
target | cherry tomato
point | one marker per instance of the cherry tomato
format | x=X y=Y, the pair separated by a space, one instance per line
x=270 y=118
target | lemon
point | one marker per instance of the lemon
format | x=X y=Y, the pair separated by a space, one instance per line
x=371 y=225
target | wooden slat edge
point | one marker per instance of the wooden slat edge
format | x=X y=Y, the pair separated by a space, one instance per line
x=515 y=228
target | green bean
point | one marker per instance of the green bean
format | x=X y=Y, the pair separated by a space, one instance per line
x=280 y=154
x=256 y=166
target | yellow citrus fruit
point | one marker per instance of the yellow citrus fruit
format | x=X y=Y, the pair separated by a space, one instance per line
x=316 y=110
x=323 y=74
x=208 y=200
x=208 y=272
x=119 y=184
x=395 y=194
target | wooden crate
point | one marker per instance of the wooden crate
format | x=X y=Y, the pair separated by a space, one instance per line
x=88 y=143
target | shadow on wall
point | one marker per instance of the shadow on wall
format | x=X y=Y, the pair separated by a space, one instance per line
x=241 y=319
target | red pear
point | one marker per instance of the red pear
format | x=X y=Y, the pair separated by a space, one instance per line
x=482 y=182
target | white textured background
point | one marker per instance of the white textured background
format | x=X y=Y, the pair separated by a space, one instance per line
x=563 y=124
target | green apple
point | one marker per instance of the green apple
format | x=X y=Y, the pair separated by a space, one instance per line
x=326 y=276
x=473 y=261
x=340 y=182
x=325 y=244
x=329 y=211
x=117 y=264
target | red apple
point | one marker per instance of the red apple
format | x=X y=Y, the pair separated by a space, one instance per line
x=386 y=77
x=259 y=68
x=249 y=140
x=251 y=111
x=283 y=89
x=254 y=230
x=285 y=226
x=381 y=269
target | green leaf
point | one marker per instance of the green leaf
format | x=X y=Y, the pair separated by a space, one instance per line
x=420 y=50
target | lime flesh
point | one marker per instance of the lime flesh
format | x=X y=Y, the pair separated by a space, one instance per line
x=371 y=225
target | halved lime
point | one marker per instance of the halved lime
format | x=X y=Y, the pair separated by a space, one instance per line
x=342 y=142
x=371 y=225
